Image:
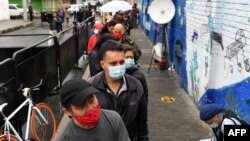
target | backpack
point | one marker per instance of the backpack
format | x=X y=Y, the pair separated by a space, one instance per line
x=230 y=114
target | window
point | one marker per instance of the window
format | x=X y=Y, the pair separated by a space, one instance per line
x=12 y=7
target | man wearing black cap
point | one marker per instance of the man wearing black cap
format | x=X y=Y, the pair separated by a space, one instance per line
x=88 y=122
x=214 y=115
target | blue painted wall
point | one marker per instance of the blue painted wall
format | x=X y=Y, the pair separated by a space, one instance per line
x=213 y=40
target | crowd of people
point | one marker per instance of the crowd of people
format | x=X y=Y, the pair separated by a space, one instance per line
x=112 y=104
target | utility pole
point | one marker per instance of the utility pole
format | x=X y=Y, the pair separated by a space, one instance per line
x=25 y=3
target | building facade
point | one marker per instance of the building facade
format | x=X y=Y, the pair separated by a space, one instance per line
x=4 y=10
x=210 y=48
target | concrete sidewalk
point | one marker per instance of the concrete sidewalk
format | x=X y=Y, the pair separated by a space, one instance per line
x=11 y=25
x=168 y=121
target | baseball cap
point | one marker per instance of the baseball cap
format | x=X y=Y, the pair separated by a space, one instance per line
x=75 y=92
x=210 y=110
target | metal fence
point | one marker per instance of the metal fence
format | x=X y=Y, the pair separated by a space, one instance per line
x=25 y=67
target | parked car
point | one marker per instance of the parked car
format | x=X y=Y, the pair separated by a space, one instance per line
x=16 y=7
x=74 y=7
x=14 y=11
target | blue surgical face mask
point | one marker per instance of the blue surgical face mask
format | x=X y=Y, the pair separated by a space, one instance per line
x=116 y=72
x=129 y=63
x=213 y=125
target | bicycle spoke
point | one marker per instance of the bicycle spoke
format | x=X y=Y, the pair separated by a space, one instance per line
x=42 y=130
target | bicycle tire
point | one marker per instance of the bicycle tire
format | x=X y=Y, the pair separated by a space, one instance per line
x=6 y=138
x=43 y=132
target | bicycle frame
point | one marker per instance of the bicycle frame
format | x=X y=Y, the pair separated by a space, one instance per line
x=8 y=125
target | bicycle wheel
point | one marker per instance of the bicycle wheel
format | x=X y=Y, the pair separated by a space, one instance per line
x=6 y=138
x=40 y=130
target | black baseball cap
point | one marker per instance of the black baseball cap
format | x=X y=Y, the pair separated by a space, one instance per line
x=75 y=91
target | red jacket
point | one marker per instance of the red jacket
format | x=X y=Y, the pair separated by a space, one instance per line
x=92 y=43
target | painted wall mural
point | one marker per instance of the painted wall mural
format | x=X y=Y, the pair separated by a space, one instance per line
x=219 y=53
x=210 y=40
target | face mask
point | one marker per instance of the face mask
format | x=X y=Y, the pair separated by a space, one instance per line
x=129 y=63
x=213 y=125
x=117 y=36
x=125 y=19
x=90 y=118
x=96 y=31
x=116 y=72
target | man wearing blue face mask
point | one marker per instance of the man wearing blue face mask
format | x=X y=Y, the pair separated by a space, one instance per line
x=121 y=92
x=215 y=116
x=132 y=68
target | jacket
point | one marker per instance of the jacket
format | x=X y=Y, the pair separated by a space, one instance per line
x=92 y=43
x=126 y=40
x=94 y=57
x=136 y=73
x=94 y=62
x=130 y=104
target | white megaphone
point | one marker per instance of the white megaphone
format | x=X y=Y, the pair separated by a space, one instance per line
x=161 y=12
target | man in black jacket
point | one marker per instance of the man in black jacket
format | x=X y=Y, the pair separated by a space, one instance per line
x=121 y=92
x=132 y=68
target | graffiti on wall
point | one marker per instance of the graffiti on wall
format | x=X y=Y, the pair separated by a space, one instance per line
x=195 y=36
x=216 y=33
x=194 y=74
x=236 y=50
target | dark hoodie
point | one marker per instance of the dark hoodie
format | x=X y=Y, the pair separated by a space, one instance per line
x=136 y=73
x=94 y=57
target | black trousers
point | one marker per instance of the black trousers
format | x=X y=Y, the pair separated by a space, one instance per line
x=31 y=17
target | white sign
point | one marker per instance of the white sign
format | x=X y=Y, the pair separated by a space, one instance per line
x=147 y=25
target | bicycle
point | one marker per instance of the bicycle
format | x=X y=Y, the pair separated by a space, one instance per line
x=40 y=120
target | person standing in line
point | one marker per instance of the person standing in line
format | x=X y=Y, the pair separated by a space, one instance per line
x=89 y=122
x=127 y=23
x=108 y=27
x=120 y=36
x=121 y=92
x=60 y=17
x=97 y=28
x=54 y=28
x=132 y=68
x=67 y=16
x=134 y=15
x=94 y=57
x=31 y=12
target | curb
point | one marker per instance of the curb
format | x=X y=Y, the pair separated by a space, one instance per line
x=15 y=28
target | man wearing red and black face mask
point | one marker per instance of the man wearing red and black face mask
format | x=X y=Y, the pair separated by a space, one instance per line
x=122 y=37
x=88 y=122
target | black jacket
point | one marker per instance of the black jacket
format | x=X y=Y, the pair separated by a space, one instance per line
x=94 y=62
x=130 y=104
x=94 y=57
x=136 y=73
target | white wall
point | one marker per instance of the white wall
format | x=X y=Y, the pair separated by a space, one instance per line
x=4 y=10
x=222 y=44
